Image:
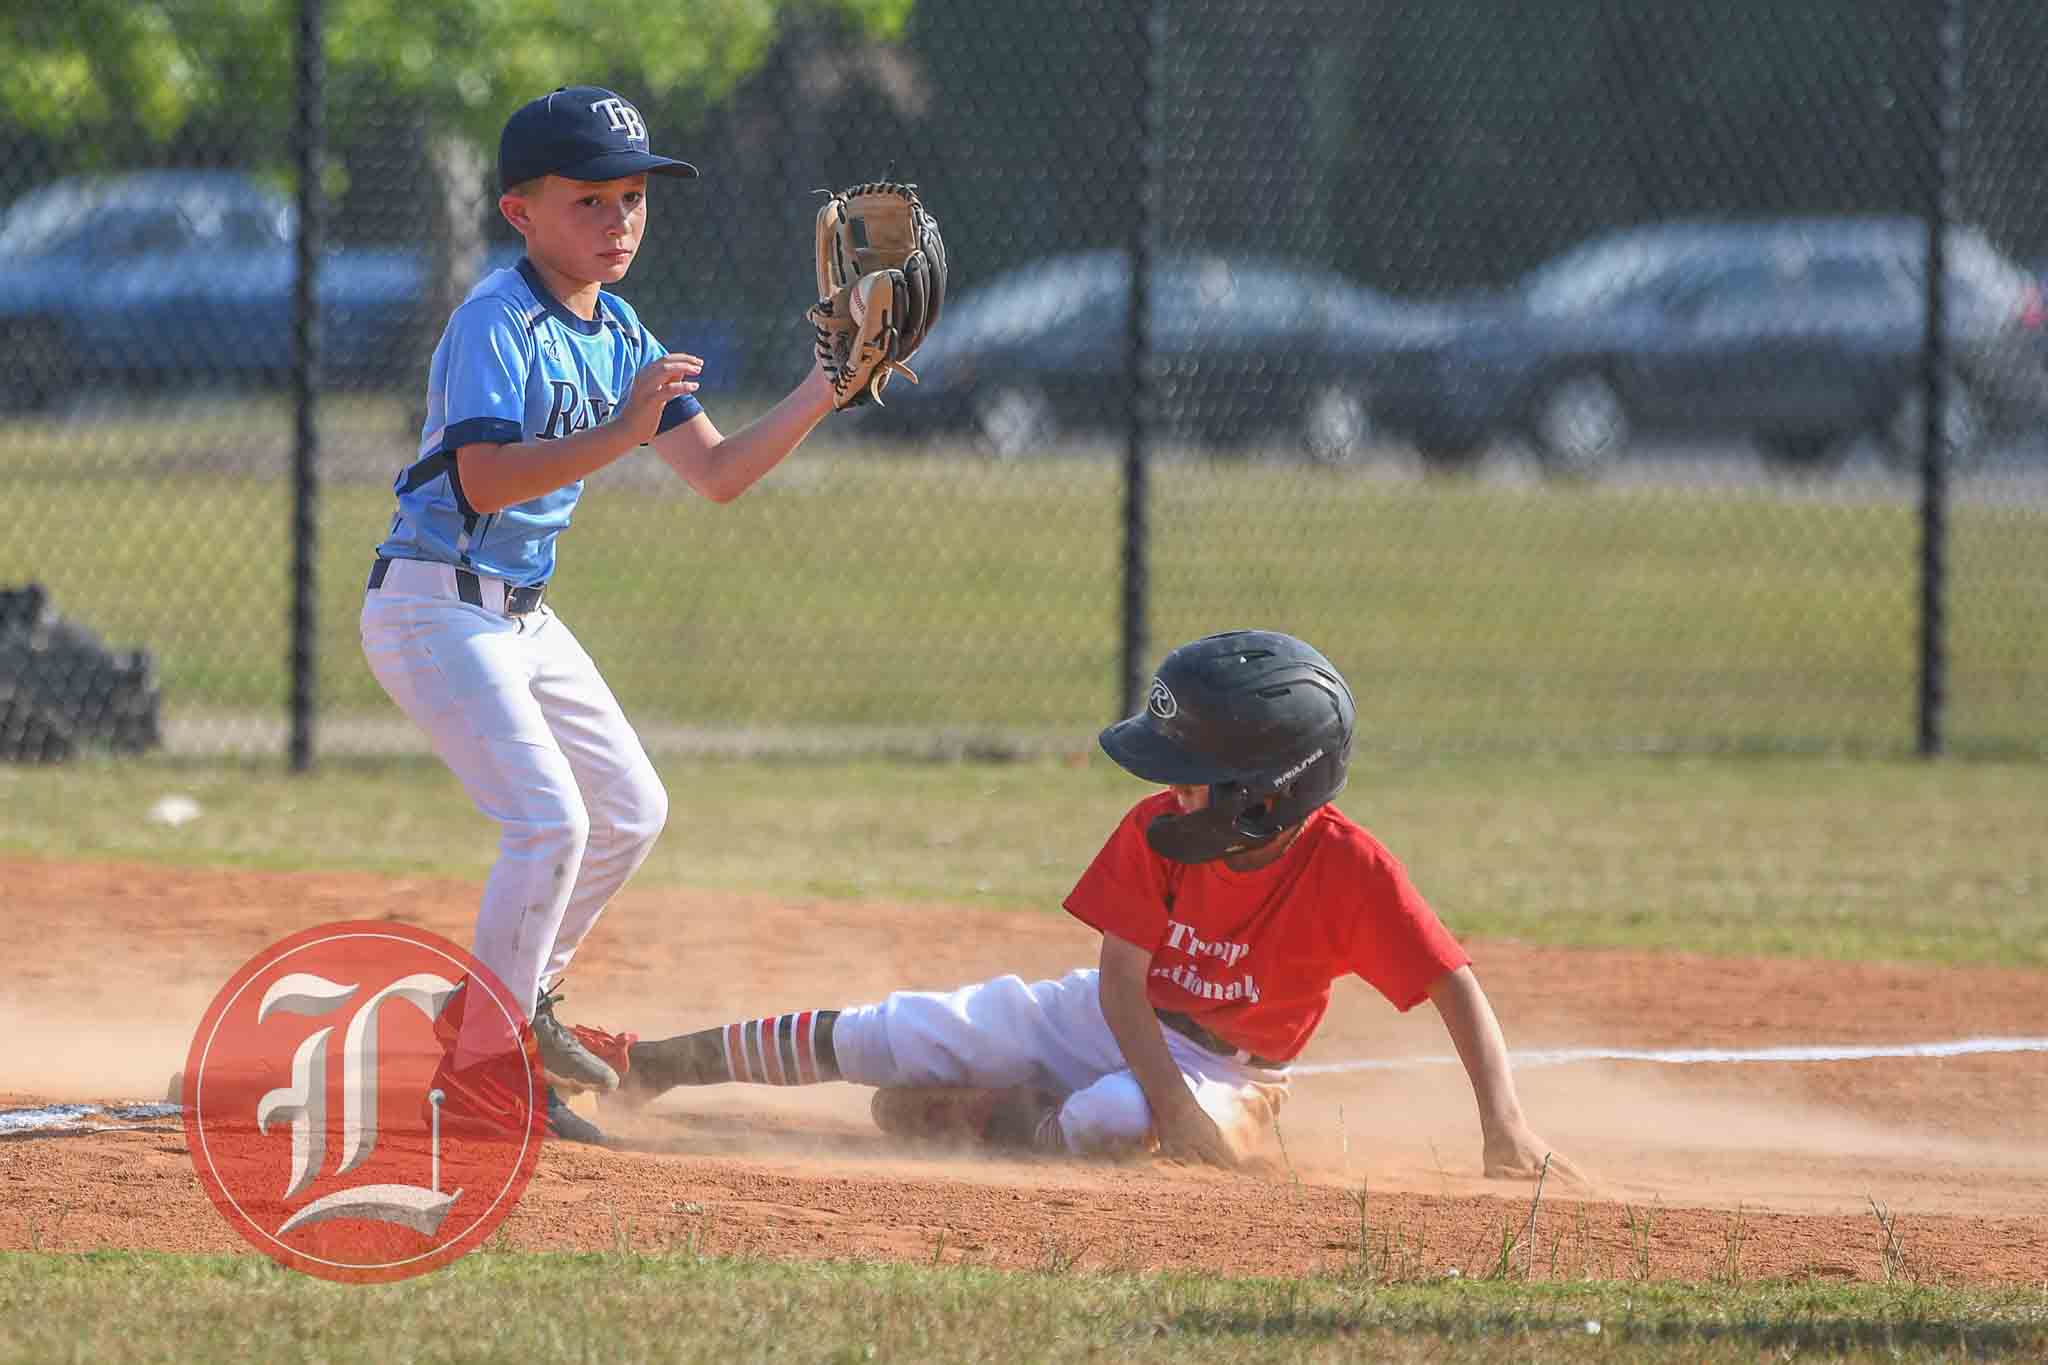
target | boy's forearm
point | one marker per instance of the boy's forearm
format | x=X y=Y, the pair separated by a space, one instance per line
x=495 y=477
x=1137 y=1031
x=1475 y=1032
x=737 y=462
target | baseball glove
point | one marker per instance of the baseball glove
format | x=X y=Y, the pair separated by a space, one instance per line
x=881 y=274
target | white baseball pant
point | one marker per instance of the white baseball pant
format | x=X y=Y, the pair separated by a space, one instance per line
x=1051 y=1034
x=515 y=707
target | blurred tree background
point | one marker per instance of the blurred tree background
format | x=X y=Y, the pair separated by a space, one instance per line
x=1449 y=119
x=1422 y=148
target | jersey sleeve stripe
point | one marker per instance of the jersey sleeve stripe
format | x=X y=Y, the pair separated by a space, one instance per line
x=480 y=430
x=678 y=411
x=441 y=463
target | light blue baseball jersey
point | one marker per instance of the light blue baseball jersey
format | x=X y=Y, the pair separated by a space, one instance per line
x=514 y=365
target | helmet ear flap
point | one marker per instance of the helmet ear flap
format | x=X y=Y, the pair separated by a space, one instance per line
x=1212 y=832
x=1259 y=821
x=1318 y=783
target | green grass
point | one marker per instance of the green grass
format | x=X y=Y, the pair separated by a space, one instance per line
x=935 y=595
x=937 y=592
x=614 y=1307
x=1789 y=856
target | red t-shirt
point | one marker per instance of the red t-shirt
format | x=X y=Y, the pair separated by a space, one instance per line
x=1252 y=954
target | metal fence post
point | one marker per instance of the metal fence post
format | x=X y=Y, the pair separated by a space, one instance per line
x=309 y=135
x=1139 y=412
x=1934 y=453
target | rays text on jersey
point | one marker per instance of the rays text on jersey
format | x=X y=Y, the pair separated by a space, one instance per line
x=572 y=412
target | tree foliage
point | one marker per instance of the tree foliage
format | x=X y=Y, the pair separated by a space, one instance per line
x=150 y=67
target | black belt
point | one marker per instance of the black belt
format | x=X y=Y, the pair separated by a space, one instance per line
x=518 y=601
x=1187 y=1028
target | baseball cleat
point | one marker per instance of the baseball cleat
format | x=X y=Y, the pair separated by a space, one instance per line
x=569 y=1126
x=563 y=1057
x=1011 y=1118
x=487 y=1099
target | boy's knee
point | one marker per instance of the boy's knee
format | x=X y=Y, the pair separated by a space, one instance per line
x=652 y=806
x=559 y=826
x=1109 y=1116
x=638 y=810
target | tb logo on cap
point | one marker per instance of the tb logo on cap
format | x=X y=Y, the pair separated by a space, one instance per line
x=623 y=118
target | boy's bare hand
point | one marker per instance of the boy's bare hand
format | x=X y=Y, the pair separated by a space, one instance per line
x=1187 y=1133
x=1518 y=1154
x=654 y=387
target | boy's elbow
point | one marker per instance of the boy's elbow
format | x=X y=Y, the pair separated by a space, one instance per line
x=1453 y=980
x=485 y=502
x=703 y=472
x=715 y=480
x=476 y=482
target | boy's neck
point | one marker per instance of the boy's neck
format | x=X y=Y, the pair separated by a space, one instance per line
x=578 y=296
x=1266 y=854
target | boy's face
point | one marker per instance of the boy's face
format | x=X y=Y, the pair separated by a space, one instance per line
x=584 y=229
x=1192 y=799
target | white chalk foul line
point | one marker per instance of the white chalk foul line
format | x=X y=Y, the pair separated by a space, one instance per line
x=79 y=1117
x=1826 y=1052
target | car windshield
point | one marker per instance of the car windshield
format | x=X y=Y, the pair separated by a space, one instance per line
x=1592 y=277
x=1031 y=301
x=1979 y=266
x=43 y=220
x=126 y=213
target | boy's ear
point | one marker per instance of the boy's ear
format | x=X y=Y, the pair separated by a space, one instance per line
x=512 y=204
x=516 y=203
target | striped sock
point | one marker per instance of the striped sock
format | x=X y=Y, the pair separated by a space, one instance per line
x=782 y=1049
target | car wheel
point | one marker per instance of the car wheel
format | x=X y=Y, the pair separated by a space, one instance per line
x=34 y=363
x=1012 y=422
x=1962 y=431
x=1580 y=427
x=1336 y=428
x=1804 y=452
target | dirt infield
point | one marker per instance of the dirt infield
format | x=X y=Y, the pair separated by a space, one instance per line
x=1702 y=1170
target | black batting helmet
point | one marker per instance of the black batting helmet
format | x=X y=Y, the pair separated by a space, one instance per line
x=1260 y=718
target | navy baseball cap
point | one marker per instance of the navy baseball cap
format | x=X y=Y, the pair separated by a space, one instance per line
x=579 y=132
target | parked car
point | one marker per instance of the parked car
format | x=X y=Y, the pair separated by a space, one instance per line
x=170 y=277
x=1803 y=334
x=1247 y=349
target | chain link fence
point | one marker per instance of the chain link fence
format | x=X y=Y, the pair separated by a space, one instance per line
x=1559 y=369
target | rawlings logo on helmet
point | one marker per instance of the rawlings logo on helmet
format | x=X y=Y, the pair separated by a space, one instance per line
x=1297 y=770
x=1160 y=701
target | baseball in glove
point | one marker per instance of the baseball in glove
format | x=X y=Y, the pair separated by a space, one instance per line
x=881 y=273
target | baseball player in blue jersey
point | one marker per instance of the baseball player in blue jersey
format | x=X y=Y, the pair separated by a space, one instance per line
x=540 y=379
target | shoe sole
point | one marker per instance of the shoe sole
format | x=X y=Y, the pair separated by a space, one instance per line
x=575 y=1065
x=566 y=1125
